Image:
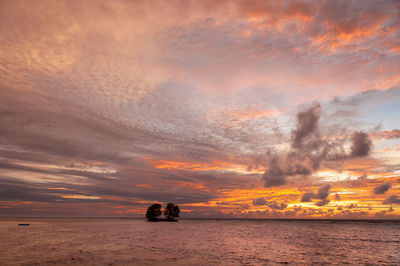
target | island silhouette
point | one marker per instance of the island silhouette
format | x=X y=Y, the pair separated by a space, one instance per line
x=154 y=212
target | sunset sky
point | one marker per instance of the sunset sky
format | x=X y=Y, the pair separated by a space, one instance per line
x=230 y=109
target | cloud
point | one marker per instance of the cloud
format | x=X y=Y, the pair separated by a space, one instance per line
x=304 y=156
x=382 y=188
x=259 y=202
x=274 y=176
x=307 y=126
x=322 y=195
x=93 y=92
x=360 y=144
x=394 y=199
x=307 y=197
x=322 y=202
x=323 y=191
x=388 y=134
x=277 y=206
x=308 y=149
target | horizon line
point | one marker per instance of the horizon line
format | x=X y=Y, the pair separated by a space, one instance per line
x=233 y=219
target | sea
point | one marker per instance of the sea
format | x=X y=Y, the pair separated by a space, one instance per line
x=90 y=241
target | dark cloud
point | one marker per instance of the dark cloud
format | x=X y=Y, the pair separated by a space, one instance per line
x=323 y=192
x=322 y=195
x=274 y=176
x=309 y=149
x=13 y=190
x=322 y=202
x=307 y=125
x=303 y=158
x=394 y=199
x=360 y=144
x=106 y=187
x=307 y=197
x=259 y=202
x=382 y=188
x=275 y=205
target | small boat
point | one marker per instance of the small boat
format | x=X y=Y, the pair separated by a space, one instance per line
x=24 y=224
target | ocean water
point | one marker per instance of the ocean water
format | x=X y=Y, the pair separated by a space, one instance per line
x=197 y=242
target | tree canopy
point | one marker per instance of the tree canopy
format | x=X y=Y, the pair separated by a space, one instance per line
x=153 y=212
x=171 y=211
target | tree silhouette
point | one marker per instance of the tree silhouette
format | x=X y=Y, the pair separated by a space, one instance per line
x=153 y=212
x=171 y=211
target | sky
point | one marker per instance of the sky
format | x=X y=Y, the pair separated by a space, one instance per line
x=230 y=109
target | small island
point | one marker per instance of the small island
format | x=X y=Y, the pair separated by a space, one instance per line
x=171 y=211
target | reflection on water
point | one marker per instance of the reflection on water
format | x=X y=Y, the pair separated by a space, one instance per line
x=199 y=242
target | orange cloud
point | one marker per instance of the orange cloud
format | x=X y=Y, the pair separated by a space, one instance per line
x=345 y=201
x=76 y=196
x=199 y=166
x=251 y=113
x=395 y=133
